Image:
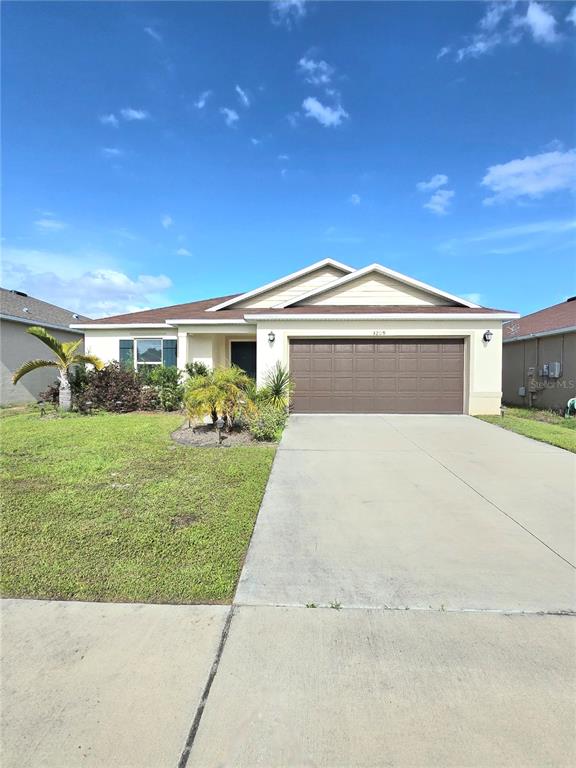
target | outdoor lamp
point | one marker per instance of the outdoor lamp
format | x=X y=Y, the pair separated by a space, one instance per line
x=487 y=335
x=271 y=337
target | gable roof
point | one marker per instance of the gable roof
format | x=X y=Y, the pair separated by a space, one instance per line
x=378 y=268
x=159 y=316
x=554 y=319
x=282 y=281
x=18 y=306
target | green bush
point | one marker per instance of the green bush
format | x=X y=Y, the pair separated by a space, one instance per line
x=166 y=382
x=197 y=368
x=267 y=423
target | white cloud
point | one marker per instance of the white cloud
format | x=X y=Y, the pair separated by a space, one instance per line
x=129 y=114
x=355 y=199
x=541 y=23
x=183 y=252
x=502 y=25
x=572 y=16
x=151 y=32
x=109 y=119
x=82 y=282
x=325 y=115
x=287 y=13
x=50 y=224
x=439 y=180
x=440 y=201
x=167 y=221
x=315 y=72
x=112 y=152
x=230 y=115
x=283 y=158
x=444 y=51
x=531 y=177
x=202 y=99
x=256 y=142
x=242 y=96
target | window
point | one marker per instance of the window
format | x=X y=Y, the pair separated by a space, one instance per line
x=146 y=353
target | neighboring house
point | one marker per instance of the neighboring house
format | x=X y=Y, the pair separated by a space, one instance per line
x=539 y=357
x=18 y=311
x=356 y=341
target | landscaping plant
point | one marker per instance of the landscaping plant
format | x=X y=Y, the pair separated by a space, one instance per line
x=66 y=357
x=278 y=388
x=267 y=422
x=222 y=392
x=167 y=383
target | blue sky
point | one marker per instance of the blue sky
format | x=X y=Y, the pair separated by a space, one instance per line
x=157 y=153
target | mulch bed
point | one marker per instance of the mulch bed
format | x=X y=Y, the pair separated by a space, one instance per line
x=206 y=436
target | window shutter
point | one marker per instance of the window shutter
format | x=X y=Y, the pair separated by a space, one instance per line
x=169 y=347
x=126 y=353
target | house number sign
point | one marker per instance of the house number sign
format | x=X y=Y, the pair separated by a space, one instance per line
x=379 y=333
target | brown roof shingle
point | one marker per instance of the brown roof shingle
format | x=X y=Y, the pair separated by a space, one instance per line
x=38 y=312
x=545 y=320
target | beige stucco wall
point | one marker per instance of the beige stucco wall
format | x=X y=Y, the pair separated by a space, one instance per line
x=541 y=392
x=483 y=361
x=17 y=347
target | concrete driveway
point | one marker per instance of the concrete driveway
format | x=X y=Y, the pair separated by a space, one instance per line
x=445 y=546
x=448 y=544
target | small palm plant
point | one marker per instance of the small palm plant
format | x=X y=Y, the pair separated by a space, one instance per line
x=222 y=392
x=278 y=388
x=66 y=356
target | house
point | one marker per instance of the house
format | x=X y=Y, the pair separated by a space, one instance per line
x=539 y=357
x=18 y=311
x=365 y=340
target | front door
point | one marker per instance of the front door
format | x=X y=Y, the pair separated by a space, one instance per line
x=243 y=354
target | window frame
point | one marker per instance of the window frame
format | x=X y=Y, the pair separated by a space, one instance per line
x=134 y=341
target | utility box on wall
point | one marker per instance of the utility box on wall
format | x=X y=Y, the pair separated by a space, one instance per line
x=554 y=370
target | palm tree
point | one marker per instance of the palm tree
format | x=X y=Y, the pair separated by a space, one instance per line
x=223 y=391
x=66 y=356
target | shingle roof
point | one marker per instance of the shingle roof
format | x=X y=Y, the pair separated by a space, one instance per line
x=197 y=310
x=36 y=311
x=545 y=320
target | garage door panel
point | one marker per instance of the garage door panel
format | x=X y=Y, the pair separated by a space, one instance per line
x=381 y=376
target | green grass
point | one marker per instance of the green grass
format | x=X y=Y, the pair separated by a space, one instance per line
x=545 y=426
x=89 y=508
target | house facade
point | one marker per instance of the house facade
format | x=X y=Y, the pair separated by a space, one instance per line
x=365 y=340
x=18 y=311
x=539 y=358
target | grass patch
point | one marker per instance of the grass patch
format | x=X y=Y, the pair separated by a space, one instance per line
x=108 y=508
x=546 y=426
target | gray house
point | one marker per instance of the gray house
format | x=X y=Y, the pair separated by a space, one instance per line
x=539 y=358
x=18 y=311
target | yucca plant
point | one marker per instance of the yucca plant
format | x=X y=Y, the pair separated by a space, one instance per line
x=66 y=356
x=222 y=392
x=278 y=388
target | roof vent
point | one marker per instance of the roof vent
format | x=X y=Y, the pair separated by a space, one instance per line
x=572 y=298
x=25 y=309
x=75 y=316
x=20 y=293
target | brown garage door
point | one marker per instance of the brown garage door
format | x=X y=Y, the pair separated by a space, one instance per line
x=377 y=376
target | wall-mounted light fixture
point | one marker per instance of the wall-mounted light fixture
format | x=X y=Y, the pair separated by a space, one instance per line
x=487 y=336
x=271 y=337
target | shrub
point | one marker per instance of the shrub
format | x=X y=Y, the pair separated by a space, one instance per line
x=114 y=388
x=197 y=368
x=277 y=389
x=166 y=382
x=267 y=423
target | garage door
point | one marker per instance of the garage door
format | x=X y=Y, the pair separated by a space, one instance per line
x=377 y=376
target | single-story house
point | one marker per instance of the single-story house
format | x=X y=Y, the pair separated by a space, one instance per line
x=367 y=340
x=18 y=311
x=539 y=357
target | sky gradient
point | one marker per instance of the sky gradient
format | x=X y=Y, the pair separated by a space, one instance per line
x=157 y=153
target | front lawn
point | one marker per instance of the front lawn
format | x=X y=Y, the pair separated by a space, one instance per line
x=108 y=507
x=545 y=426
